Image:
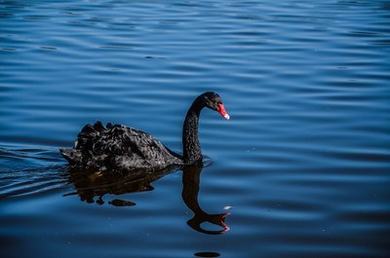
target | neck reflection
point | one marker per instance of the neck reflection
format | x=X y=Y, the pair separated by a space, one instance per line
x=191 y=182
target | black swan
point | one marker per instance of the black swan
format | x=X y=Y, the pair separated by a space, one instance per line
x=121 y=148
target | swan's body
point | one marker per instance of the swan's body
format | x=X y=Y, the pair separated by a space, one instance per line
x=121 y=148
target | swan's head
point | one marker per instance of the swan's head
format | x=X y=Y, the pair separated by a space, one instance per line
x=213 y=101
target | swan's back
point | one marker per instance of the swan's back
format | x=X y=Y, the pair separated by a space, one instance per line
x=118 y=148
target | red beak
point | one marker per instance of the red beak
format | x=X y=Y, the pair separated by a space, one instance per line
x=223 y=112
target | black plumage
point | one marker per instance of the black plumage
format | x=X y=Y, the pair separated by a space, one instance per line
x=121 y=148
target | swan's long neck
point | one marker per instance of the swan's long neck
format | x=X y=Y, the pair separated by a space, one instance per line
x=191 y=145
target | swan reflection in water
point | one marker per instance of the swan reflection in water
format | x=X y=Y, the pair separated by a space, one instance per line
x=92 y=187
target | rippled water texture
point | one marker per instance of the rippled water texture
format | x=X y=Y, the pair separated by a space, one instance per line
x=302 y=169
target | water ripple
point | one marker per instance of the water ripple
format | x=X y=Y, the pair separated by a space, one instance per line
x=303 y=162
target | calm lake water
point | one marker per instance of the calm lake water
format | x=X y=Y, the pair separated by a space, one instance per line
x=302 y=169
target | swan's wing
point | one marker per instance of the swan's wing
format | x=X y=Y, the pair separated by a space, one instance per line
x=118 y=146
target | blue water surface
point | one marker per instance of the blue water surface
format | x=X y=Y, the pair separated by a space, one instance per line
x=302 y=169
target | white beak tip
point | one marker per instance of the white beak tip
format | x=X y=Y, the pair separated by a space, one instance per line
x=226 y=116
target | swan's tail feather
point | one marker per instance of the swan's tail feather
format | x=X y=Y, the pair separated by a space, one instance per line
x=84 y=144
x=71 y=155
x=88 y=135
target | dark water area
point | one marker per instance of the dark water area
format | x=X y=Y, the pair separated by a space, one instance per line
x=302 y=169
